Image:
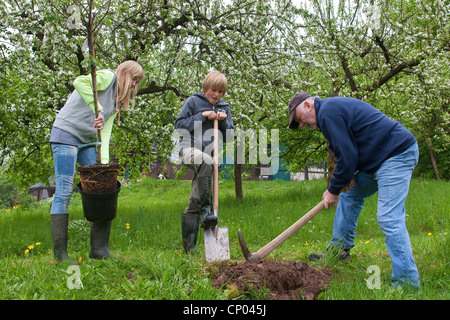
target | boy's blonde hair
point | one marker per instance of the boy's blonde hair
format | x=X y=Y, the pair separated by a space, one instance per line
x=128 y=72
x=215 y=80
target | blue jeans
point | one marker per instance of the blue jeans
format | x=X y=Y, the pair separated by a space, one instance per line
x=65 y=159
x=391 y=181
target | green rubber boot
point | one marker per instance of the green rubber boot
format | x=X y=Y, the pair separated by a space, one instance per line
x=100 y=232
x=59 y=225
x=189 y=230
x=207 y=217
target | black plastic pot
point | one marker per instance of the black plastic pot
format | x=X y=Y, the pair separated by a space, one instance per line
x=99 y=207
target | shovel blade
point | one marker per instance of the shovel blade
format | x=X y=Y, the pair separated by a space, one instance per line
x=216 y=244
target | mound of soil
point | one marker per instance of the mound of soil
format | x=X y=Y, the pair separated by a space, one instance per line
x=294 y=280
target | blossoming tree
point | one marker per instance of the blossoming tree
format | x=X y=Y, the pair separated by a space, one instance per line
x=268 y=49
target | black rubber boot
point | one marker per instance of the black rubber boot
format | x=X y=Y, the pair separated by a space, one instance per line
x=100 y=232
x=59 y=225
x=343 y=254
x=189 y=230
x=207 y=217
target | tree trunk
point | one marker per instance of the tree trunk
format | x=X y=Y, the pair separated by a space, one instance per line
x=238 y=180
x=433 y=161
x=331 y=166
x=90 y=31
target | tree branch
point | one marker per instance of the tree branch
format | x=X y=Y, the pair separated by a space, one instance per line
x=348 y=74
x=392 y=74
x=153 y=88
x=379 y=43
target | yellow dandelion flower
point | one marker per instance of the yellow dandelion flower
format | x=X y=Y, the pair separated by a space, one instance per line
x=367 y=242
x=293 y=246
x=79 y=260
x=429 y=233
x=37 y=243
x=26 y=251
x=127 y=225
x=30 y=247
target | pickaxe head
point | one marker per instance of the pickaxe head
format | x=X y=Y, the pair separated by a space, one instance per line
x=250 y=257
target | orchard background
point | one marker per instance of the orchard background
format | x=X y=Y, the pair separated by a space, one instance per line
x=392 y=54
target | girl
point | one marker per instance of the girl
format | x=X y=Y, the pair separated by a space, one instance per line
x=73 y=139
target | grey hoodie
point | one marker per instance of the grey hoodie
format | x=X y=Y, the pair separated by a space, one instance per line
x=77 y=118
x=192 y=120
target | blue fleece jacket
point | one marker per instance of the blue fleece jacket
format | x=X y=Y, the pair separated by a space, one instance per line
x=360 y=136
x=192 y=120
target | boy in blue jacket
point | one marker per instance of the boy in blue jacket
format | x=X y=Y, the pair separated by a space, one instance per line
x=373 y=154
x=196 y=120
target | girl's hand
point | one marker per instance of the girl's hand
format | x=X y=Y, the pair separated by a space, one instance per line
x=98 y=122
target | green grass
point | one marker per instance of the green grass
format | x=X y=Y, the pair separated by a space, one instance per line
x=146 y=236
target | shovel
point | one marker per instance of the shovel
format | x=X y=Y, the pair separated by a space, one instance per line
x=216 y=239
x=268 y=248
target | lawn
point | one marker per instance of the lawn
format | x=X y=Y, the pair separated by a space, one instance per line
x=151 y=263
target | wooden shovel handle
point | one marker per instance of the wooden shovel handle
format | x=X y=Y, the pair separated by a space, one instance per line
x=268 y=248
x=216 y=167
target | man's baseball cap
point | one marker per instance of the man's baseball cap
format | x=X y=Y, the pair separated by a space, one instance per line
x=293 y=104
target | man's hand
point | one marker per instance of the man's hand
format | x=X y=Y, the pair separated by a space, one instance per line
x=329 y=199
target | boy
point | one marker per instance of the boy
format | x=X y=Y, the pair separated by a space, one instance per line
x=197 y=116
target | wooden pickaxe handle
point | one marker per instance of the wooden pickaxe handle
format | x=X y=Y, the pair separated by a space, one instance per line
x=268 y=248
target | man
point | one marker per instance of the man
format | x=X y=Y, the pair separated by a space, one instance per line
x=373 y=153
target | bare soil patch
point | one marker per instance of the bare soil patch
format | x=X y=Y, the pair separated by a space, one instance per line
x=293 y=280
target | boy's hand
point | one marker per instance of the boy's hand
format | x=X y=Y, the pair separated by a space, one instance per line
x=221 y=116
x=210 y=115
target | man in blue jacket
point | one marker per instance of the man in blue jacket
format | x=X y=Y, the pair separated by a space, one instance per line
x=373 y=154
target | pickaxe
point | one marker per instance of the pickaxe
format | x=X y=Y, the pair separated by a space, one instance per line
x=268 y=248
